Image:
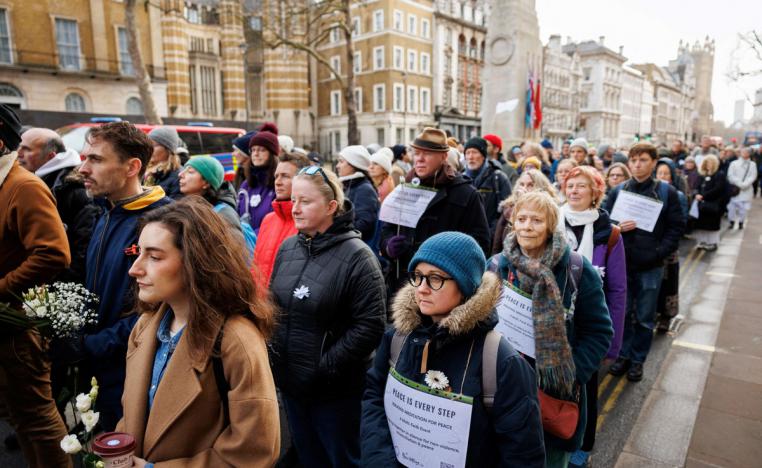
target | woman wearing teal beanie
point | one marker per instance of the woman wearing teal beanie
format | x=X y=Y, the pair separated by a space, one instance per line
x=205 y=176
x=444 y=354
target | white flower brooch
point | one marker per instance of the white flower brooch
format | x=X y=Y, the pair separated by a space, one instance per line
x=301 y=292
x=437 y=380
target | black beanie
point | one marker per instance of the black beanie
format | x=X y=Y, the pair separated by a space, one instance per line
x=477 y=143
x=10 y=128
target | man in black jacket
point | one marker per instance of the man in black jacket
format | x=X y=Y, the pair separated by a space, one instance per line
x=43 y=153
x=645 y=252
x=457 y=206
x=488 y=178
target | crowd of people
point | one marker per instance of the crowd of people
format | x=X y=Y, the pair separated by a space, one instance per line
x=223 y=302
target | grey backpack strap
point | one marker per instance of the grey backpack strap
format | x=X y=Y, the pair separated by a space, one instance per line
x=489 y=367
x=396 y=347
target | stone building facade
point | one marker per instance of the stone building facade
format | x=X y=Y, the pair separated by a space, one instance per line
x=561 y=80
x=74 y=59
x=601 y=91
x=393 y=50
x=668 y=114
x=459 y=49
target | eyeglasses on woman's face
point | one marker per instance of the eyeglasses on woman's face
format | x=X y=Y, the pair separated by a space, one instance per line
x=433 y=280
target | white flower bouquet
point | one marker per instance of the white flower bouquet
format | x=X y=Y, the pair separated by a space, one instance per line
x=59 y=310
x=81 y=443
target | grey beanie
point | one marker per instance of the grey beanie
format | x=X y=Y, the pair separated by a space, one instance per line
x=166 y=137
x=581 y=143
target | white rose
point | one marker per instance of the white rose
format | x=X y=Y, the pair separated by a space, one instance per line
x=83 y=402
x=90 y=419
x=70 y=444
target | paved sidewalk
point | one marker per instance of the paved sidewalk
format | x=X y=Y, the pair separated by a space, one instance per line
x=728 y=428
x=705 y=406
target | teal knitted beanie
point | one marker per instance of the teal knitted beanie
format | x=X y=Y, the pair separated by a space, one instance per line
x=210 y=169
x=458 y=255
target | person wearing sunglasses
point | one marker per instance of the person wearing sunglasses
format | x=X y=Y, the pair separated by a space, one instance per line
x=331 y=294
x=442 y=321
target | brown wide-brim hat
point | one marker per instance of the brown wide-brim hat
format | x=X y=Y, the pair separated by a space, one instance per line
x=431 y=139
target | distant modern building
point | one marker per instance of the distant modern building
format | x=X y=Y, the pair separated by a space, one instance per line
x=561 y=80
x=601 y=91
x=459 y=47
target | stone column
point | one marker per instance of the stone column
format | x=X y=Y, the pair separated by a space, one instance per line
x=233 y=48
x=513 y=49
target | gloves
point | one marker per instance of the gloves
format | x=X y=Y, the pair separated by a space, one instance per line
x=397 y=246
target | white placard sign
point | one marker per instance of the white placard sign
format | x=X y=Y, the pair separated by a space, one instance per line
x=633 y=207
x=694 y=211
x=406 y=204
x=515 y=319
x=429 y=428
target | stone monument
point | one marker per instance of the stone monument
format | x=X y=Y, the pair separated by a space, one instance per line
x=513 y=51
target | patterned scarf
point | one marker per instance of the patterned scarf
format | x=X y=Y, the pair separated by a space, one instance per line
x=553 y=358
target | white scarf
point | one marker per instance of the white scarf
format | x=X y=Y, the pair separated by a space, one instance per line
x=579 y=218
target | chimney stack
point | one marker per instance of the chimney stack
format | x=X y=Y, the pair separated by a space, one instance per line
x=601 y=39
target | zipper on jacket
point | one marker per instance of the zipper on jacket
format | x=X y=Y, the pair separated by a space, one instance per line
x=291 y=296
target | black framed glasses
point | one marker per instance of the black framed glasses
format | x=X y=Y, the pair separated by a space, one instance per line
x=433 y=280
x=312 y=170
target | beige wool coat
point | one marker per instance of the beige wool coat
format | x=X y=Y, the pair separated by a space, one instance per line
x=186 y=426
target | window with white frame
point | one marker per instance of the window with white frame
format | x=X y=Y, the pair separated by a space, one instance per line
x=379 y=98
x=6 y=55
x=412 y=99
x=358 y=99
x=425 y=28
x=425 y=101
x=335 y=141
x=425 y=63
x=336 y=102
x=378 y=20
x=134 y=106
x=125 y=59
x=335 y=35
x=412 y=134
x=398 y=20
x=399 y=58
x=412 y=24
x=74 y=102
x=412 y=59
x=400 y=134
x=398 y=98
x=356 y=26
x=357 y=62
x=378 y=58
x=336 y=63
x=381 y=136
x=67 y=42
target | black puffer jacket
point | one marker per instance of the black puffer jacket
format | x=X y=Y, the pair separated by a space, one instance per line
x=456 y=207
x=78 y=212
x=332 y=301
x=493 y=186
x=366 y=205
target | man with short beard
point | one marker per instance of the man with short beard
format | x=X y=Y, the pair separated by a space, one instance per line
x=43 y=152
x=33 y=250
x=116 y=155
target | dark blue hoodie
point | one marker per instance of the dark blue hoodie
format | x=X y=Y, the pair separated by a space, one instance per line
x=106 y=275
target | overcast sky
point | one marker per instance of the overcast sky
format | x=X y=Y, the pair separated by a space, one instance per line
x=650 y=31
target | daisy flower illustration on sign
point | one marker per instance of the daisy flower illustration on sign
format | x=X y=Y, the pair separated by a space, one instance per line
x=437 y=380
x=301 y=292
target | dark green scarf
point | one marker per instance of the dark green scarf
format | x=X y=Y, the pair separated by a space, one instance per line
x=554 y=365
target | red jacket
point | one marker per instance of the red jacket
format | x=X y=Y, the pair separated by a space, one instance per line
x=275 y=228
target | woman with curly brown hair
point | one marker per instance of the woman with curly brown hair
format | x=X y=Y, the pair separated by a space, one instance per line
x=198 y=352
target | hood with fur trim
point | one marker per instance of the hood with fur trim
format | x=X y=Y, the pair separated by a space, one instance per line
x=462 y=319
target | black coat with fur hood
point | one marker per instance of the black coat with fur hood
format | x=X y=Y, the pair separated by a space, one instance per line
x=511 y=433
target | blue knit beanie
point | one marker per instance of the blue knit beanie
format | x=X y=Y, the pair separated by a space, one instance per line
x=458 y=255
x=242 y=142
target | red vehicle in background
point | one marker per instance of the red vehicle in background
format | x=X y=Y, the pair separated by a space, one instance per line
x=200 y=138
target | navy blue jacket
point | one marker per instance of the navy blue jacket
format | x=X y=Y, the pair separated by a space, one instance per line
x=589 y=331
x=510 y=434
x=364 y=198
x=105 y=344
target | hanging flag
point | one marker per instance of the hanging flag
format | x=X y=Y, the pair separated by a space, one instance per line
x=537 y=106
x=529 y=106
